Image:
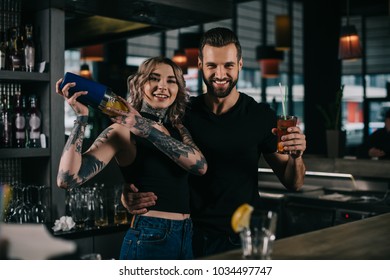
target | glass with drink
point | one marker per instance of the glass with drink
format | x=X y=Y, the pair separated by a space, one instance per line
x=257 y=240
x=284 y=122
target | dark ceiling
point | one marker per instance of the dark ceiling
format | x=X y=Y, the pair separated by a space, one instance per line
x=90 y=22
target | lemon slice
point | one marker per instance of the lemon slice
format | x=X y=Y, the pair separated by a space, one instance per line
x=241 y=217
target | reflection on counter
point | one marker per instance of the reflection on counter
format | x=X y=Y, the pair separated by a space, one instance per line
x=325 y=200
x=366 y=239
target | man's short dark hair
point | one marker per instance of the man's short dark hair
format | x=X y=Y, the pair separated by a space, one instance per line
x=219 y=37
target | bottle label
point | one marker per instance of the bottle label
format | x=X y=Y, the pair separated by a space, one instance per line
x=20 y=135
x=16 y=65
x=35 y=122
x=20 y=122
x=34 y=135
x=29 y=54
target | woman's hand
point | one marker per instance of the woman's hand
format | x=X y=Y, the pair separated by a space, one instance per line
x=132 y=119
x=80 y=109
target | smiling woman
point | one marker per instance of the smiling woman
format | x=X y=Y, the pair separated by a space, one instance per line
x=154 y=151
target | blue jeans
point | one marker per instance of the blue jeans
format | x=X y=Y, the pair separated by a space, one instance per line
x=152 y=238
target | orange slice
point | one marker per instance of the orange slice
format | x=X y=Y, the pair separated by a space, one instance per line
x=241 y=217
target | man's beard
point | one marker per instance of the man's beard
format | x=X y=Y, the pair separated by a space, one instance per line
x=219 y=93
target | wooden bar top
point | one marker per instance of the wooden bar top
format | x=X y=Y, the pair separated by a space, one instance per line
x=367 y=239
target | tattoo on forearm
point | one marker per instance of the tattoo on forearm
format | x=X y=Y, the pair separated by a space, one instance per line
x=143 y=125
x=187 y=139
x=173 y=149
x=200 y=164
x=102 y=137
x=90 y=165
x=70 y=179
x=76 y=138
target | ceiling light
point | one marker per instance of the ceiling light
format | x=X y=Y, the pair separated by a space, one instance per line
x=180 y=58
x=349 y=43
x=92 y=53
x=189 y=42
x=269 y=59
x=85 y=71
x=283 y=36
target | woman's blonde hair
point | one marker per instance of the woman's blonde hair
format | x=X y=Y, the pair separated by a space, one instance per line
x=136 y=82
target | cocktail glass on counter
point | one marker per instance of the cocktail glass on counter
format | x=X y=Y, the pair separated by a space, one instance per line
x=257 y=240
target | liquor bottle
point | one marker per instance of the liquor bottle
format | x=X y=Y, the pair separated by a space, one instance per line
x=19 y=120
x=3 y=48
x=34 y=123
x=99 y=96
x=7 y=118
x=15 y=56
x=29 y=49
x=1 y=120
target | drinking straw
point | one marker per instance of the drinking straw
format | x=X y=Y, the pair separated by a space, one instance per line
x=283 y=99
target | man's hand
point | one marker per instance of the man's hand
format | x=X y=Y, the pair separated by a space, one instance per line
x=135 y=202
x=294 y=141
x=374 y=152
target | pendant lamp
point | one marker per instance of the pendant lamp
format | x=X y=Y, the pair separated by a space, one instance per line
x=349 y=43
x=269 y=59
x=189 y=42
x=85 y=71
x=92 y=53
x=283 y=36
x=180 y=58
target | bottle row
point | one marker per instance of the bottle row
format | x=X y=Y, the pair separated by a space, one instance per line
x=20 y=118
x=17 y=46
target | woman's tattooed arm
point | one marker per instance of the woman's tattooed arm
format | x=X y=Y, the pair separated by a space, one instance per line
x=186 y=153
x=90 y=166
x=76 y=168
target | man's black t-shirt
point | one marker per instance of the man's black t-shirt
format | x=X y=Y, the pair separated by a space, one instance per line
x=232 y=144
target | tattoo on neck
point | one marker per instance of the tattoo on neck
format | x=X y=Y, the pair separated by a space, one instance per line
x=159 y=113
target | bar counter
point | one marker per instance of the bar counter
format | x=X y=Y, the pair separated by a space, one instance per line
x=367 y=239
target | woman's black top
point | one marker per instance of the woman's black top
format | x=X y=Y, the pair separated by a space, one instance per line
x=153 y=171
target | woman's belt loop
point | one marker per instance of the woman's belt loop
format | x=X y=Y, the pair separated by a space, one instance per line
x=133 y=221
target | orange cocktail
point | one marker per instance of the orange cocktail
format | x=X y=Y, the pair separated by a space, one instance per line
x=284 y=122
